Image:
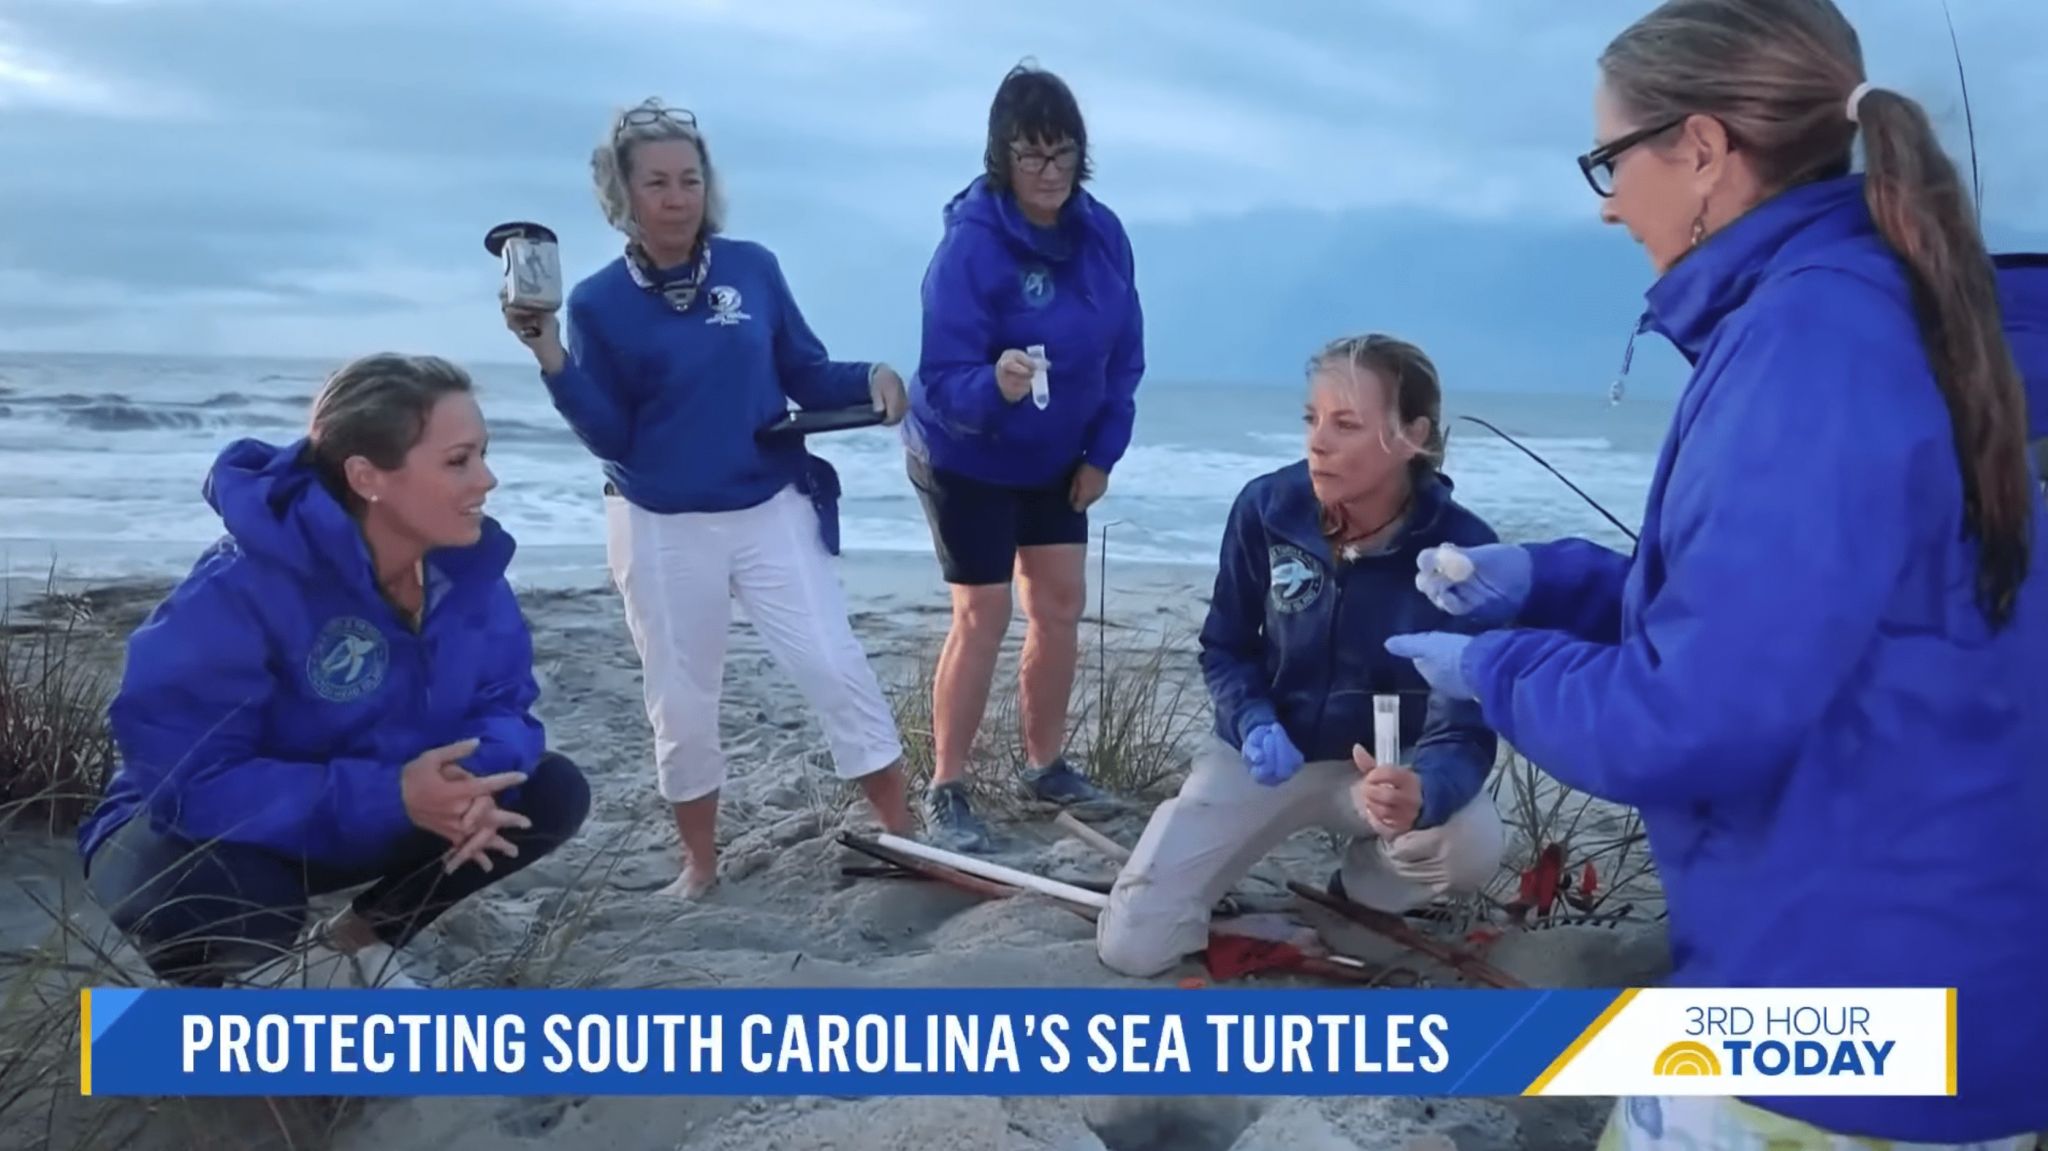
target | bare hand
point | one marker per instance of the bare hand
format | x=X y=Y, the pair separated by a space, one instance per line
x=540 y=331
x=1389 y=796
x=1090 y=482
x=484 y=822
x=437 y=800
x=885 y=388
x=1013 y=374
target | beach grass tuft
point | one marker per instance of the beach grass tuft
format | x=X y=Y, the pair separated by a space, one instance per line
x=55 y=751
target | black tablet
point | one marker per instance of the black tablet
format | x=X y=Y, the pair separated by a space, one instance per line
x=812 y=422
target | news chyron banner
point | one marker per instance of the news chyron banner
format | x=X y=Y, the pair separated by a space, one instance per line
x=1019 y=1041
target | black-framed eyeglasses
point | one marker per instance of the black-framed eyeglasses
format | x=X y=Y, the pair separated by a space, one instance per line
x=1032 y=163
x=1598 y=165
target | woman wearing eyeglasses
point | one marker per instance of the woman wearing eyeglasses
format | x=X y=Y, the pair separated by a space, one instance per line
x=1008 y=452
x=680 y=351
x=1823 y=675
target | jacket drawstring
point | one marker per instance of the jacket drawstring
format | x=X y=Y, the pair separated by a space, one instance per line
x=1628 y=356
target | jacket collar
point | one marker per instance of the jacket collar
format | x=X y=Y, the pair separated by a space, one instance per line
x=1716 y=278
x=1297 y=516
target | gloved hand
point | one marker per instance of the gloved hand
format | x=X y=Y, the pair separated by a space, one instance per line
x=1439 y=656
x=1272 y=757
x=1489 y=583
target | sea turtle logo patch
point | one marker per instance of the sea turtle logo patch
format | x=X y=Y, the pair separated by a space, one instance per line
x=725 y=307
x=1296 y=579
x=348 y=660
x=1036 y=283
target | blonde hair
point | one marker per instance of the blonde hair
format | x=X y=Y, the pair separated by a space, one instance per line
x=1779 y=75
x=1410 y=388
x=611 y=162
x=376 y=407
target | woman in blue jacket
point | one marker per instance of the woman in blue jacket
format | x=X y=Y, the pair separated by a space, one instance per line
x=340 y=693
x=1008 y=453
x=1823 y=675
x=1317 y=570
x=681 y=350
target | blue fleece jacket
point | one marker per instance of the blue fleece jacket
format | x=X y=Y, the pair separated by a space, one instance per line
x=670 y=401
x=998 y=282
x=1838 y=762
x=273 y=698
x=1294 y=637
x=2023 y=301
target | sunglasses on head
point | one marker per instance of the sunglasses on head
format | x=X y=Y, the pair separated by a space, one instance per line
x=1598 y=165
x=647 y=114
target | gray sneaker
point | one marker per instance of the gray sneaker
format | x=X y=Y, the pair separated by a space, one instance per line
x=950 y=821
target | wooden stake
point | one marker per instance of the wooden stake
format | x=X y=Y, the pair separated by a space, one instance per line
x=1092 y=837
x=1391 y=926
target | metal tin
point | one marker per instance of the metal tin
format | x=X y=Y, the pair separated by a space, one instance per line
x=532 y=265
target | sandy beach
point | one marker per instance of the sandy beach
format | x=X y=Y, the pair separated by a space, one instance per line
x=783 y=914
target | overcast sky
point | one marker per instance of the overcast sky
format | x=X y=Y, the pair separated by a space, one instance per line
x=314 y=177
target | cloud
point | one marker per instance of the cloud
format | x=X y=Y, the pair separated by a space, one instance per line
x=287 y=175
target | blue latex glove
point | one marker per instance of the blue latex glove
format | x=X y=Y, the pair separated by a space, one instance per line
x=1439 y=656
x=1489 y=584
x=1272 y=756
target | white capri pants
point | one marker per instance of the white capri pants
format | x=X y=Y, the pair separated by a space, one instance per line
x=678 y=575
x=1199 y=844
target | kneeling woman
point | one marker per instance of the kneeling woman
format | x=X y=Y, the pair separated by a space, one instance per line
x=337 y=695
x=1317 y=570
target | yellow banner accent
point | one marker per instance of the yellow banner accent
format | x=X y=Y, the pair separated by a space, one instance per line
x=1579 y=1044
x=85 y=1042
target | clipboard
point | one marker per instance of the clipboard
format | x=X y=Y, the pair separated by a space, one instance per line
x=804 y=423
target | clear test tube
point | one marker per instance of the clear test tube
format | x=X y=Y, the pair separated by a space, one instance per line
x=1386 y=729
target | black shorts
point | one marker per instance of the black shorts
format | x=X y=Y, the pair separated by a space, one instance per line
x=977 y=527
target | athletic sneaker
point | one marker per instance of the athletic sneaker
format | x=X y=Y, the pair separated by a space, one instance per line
x=1059 y=783
x=950 y=821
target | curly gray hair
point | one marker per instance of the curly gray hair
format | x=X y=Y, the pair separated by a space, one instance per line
x=611 y=162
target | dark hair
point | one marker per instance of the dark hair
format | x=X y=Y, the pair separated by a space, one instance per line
x=1033 y=104
x=1778 y=75
x=1413 y=390
x=376 y=407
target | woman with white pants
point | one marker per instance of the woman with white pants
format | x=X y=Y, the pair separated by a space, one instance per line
x=680 y=351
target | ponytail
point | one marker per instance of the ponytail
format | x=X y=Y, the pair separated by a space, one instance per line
x=1920 y=205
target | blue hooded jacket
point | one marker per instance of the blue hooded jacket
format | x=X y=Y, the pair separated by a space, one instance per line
x=1842 y=769
x=998 y=282
x=274 y=696
x=2023 y=300
x=1296 y=638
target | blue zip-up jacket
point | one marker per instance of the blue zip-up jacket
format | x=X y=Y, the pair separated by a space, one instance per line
x=1842 y=769
x=670 y=401
x=274 y=696
x=1294 y=637
x=2023 y=301
x=997 y=282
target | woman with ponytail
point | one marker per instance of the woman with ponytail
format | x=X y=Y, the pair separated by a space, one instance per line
x=1823 y=675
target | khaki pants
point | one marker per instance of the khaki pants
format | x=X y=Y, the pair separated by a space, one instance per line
x=1202 y=842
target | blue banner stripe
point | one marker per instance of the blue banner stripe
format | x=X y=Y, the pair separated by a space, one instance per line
x=1504 y=1037
x=109 y=1004
x=839 y=1041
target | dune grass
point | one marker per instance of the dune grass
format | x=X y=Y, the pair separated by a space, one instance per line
x=1132 y=725
x=55 y=752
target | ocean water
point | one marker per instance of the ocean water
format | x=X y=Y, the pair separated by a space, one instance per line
x=102 y=458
